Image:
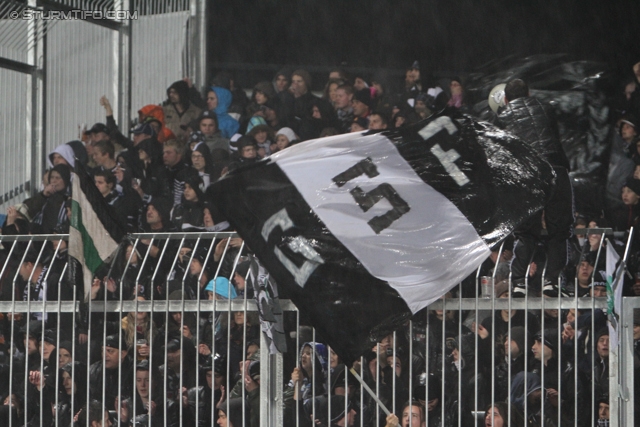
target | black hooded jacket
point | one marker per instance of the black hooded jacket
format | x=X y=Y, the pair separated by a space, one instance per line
x=534 y=123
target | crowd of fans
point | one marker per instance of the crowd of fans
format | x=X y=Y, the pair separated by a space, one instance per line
x=513 y=367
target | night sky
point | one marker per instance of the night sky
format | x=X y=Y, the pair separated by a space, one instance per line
x=447 y=36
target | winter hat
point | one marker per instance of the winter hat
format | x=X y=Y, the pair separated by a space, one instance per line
x=362 y=122
x=517 y=396
x=550 y=339
x=233 y=409
x=500 y=288
x=633 y=185
x=197 y=137
x=115 y=341
x=599 y=279
x=288 y=132
x=208 y=115
x=364 y=96
x=629 y=120
x=50 y=336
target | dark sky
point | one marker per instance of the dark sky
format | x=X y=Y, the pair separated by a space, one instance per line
x=449 y=36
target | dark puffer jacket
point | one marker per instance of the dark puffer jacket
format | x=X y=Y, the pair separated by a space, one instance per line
x=534 y=123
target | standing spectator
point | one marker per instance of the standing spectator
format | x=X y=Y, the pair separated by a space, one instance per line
x=533 y=122
x=177 y=108
x=219 y=100
x=342 y=105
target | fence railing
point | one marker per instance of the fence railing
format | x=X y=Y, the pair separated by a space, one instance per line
x=442 y=357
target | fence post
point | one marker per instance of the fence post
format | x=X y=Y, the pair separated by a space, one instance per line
x=197 y=42
x=122 y=65
x=36 y=57
x=271 y=371
x=625 y=395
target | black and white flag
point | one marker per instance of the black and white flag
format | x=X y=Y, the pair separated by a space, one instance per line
x=362 y=230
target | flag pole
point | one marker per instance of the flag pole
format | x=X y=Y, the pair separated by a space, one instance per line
x=366 y=387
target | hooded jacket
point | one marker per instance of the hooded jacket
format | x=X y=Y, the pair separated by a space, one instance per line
x=157 y=113
x=173 y=119
x=228 y=125
x=66 y=152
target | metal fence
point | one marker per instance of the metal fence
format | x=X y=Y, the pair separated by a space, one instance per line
x=439 y=358
x=57 y=58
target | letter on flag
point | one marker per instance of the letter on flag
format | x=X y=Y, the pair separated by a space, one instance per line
x=362 y=230
x=94 y=232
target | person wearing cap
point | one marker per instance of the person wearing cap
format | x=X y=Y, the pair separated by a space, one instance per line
x=178 y=110
x=584 y=273
x=117 y=368
x=239 y=281
x=232 y=413
x=595 y=370
x=143 y=131
x=516 y=350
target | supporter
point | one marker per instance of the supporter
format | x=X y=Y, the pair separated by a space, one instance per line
x=62 y=154
x=232 y=413
x=329 y=91
x=497 y=415
x=516 y=357
x=457 y=93
x=362 y=103
x=412 y=416
x=117 y=369
x=189 y=212
x=359 y=124
x=319 y=117
x=125 y=206
x=285 y=137
x=148 y=171
x=378 y=121
x=627 y=216
x=307 y=380
x=104 y=156
x=73 y=392
x=47 y=207
x=281 y=81
x=533 y=122
x=342 y=105
x=263 y=137
x=202 y=162
x=139 y=332
x=301 y=90
x=208 y=125
x=218 y=101
x=247 y=152
x=202 y=399
x=174 y=164
x=557 y=374
x=177 y=108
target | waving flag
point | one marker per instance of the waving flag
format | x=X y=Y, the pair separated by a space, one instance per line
x=361 y=231
x=95 y=231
